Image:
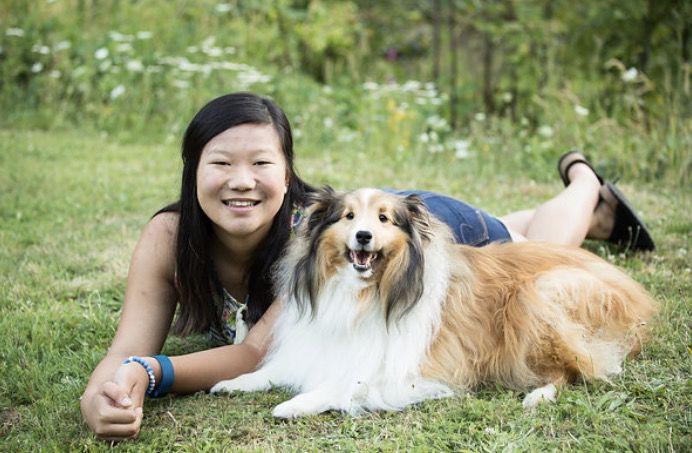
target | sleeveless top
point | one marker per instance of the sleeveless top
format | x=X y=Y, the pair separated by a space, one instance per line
x=233 y=327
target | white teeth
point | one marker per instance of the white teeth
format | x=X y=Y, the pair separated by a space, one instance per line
x=239 y=203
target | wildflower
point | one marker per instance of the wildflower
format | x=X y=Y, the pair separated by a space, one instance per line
x=124 y=47
x=105 y=65
x=209 y=42
x=297 y=133
x=581 y=111
x=371 y=86
x=424 y=137
x=437 y=122
x=62 y=45
x=222 y=8
x=229 y=50
x=119 y=37
x=134 y=66
x=101 y=53
x=117 y=92
x=545 y=131
x=480 y=116
x=182 y=84
x=461 y=149
x=213 y=51
x=54 y=74
x=192 y=49
x=630 y=75
x=37 y=67
x=144 y=35
x=40 y=48
x=436 y=148
x=328 y=123
x=16 y=32
x=506 y=97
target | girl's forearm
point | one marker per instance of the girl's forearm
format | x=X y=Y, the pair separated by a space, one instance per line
x=201 y=370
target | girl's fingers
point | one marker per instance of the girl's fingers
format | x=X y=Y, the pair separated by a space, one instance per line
x=109 y=414
x=117 y=393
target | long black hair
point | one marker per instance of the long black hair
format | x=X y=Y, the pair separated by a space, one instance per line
x=196 y=282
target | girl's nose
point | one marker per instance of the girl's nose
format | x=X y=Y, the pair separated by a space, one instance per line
x=242 y=179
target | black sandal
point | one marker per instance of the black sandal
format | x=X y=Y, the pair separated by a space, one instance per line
x=629 y=230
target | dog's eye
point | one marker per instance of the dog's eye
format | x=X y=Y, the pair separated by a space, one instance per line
x=383 y=218
x=350 y=216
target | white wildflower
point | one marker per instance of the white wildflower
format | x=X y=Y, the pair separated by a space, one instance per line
x=101 y=53
x=54 y=74
x=124 y=47
x=229 y=50
x=347 y=136
x=480 y=116
x=506 y=97
x=117 y=92
x=144 y=35
x=411 y=85
x=213 y=51
x=437 y=122
x=119 y=37
x=327 y=89
x=62 y=45
x=424 y=137
x=182 y=84
x=40 y=48
x=436 y=148
x=461 y=149
x=37 y=67
x=154 y=68
x=371 y=86
x=545 y=131
x=297 y=133
x=328 y=122
x=581 y=111
x=16 y=32
x=134 y=66
x=630 y=75
x=192 y=49
x=105 y=65
x=223 y=8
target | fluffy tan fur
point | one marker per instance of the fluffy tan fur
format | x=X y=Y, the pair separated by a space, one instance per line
x=529 y=314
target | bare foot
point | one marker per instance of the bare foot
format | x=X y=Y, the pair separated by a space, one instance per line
x=602 y=220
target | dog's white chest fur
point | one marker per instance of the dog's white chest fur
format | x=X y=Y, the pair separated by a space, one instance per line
x=344 y=357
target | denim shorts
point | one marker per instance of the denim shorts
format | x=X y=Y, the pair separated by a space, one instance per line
x=471 y=226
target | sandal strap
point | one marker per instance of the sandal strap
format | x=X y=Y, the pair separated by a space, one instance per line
x=580 y=159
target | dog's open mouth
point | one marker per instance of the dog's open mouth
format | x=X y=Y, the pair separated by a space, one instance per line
x=362 y=260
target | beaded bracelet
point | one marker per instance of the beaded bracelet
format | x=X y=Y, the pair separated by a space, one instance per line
x=147 y=367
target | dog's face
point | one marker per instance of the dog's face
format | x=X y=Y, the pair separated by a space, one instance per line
x=375 y=234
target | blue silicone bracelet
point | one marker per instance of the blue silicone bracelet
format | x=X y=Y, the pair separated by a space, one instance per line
x=167 y=377
x=147 y=367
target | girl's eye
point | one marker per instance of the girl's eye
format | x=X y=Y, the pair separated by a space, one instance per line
x=350 y=216
x=383 y=218
x=220 y=163
x=262 y=162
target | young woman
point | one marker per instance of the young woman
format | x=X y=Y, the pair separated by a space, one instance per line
x=211 y=254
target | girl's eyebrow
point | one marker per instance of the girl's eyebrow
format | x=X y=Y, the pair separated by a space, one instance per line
x=230 y=153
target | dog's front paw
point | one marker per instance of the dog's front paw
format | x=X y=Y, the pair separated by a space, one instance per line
x=228 y=386
x=251 y=382
x=289 y=409
x=302 y=405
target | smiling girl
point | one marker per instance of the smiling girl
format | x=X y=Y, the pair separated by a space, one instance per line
x=210 y=255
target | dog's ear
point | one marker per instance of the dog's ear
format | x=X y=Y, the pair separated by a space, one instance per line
x=417 y=217
x=325 y=207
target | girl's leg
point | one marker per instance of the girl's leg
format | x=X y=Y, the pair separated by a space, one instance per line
x=568 y=217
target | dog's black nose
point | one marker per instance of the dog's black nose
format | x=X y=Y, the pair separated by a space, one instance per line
x=363 y=237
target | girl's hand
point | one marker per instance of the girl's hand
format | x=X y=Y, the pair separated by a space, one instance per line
x=113 y=410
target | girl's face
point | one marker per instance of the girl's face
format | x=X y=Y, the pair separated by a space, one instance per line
x=242 y=180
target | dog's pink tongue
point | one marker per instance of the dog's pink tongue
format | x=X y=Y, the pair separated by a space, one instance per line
x=363 y=258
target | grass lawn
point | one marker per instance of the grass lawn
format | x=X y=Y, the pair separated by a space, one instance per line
x=71 y=208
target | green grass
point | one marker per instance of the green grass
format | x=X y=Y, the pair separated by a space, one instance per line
x=71 y=209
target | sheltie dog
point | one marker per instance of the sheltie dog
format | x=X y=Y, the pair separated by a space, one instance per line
x=382 y=310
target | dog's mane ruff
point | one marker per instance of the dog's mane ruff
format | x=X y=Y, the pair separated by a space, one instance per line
x=301 y=264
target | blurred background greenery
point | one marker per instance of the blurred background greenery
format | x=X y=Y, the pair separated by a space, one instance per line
x=507 y=83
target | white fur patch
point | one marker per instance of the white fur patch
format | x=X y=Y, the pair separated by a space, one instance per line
x=542 y=394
